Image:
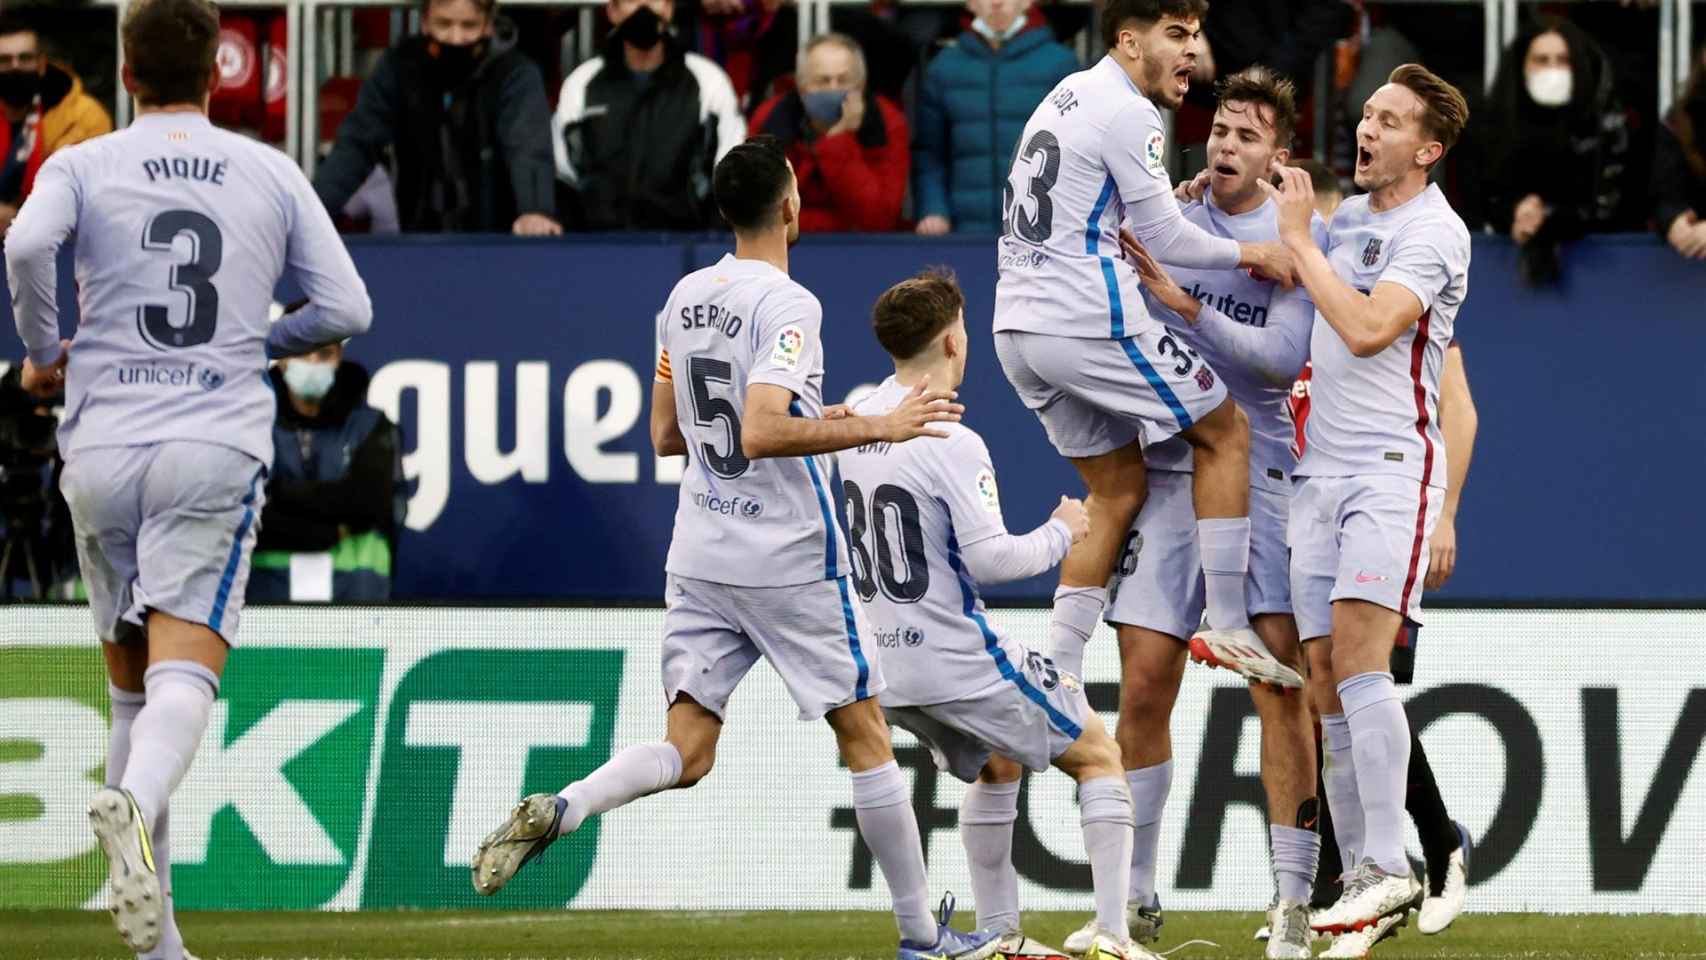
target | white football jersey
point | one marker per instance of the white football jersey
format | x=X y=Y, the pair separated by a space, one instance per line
x=753 y=523
x=1380 y=414
x=912 y=508
x=1094 y=145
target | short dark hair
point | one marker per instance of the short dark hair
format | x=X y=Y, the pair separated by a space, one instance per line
x=1444 y=110
x=11 y=23
x=487 y=7
x=1263 y=86
x=170 y=46
x=1321 y=178
x=748 y=182
x=914 y=311
x=1117 y=13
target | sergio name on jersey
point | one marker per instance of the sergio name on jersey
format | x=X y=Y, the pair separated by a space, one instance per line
x=1380 y=414
x=753 y=523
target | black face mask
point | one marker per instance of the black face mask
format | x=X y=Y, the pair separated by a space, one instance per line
x=642 y=30
x=19 y=87
x=456 y=61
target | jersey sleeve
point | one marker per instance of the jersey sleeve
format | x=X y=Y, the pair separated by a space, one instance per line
x=48 y=217
x=663 y=373
x=338 y=306
x=966 y=481
x=1425 y=258
x=1134 y=149
x=788 y=343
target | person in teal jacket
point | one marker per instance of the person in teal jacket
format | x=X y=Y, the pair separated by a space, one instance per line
x=975 y=99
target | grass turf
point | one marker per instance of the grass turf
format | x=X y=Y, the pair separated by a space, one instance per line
x=633 y=935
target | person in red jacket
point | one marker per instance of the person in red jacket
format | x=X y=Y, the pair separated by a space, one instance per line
x=850 y=150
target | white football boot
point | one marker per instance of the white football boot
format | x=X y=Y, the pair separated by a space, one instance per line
x=1244 y=653
x=137 y=904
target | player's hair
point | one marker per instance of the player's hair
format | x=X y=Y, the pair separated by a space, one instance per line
x=1444 y=111
x=1321 y=178
x=914 y=311
x=749 y=182
x=841 y=40
x=1117 y=13
x=169 y=46
x=1260 y=86
x=11 y=23
x=487 y=7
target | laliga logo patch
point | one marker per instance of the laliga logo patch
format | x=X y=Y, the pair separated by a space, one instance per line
x=987 y=492
x=1154 y=153
x=790 y=343
x=912 y=637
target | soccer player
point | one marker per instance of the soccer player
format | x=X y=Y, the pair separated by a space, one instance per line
x=1386 y=293
x=1256 y=337
x=182 y=231
x=1072 y=332
x=924 y=529
x=757 y=567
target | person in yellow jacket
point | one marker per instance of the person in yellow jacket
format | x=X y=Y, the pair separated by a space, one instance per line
x=45 y=109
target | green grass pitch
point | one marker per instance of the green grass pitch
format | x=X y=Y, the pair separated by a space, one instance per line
x=632 y=935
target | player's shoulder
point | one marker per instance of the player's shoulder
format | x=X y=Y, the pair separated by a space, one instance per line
x=1437 y=214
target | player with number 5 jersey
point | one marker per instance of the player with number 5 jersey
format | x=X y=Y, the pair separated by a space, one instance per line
x=180 y=233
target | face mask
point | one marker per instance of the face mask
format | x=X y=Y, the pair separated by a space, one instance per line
x=824 y=106
x=456 y=61
x=642 y=30
x=992 y=35
x=19 y=87
x=1550 y=87
x=309 y=380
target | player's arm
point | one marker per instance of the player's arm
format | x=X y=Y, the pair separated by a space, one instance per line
x=770 y=429
x=667 y=440
x=48 y=217
x=1367 y=322
x=1458 y=422
x=965 y=479
x=338 y=306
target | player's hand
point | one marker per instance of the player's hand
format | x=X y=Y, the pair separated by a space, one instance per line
x=8 y=213
x=1442 y=553
x=536 y=225
x=1269 y=261
x=1192 y=189
x=45 y=382
x=934 y=225
x=1687 y=235
x=1158 y=281
x=837 y=411
x=1295 y=198
x=852 y=114
x=1072 y=513
x=921 y=408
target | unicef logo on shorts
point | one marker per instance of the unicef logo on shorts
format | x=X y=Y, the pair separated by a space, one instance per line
x=912 y=637
x=750 y=509
x=210 y=379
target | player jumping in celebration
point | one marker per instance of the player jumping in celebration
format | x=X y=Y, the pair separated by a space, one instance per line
x=924 y=527
x=1255 y=335
x=1372 y=475
x=182 y=231
x=767 y=576
x=1071 y=329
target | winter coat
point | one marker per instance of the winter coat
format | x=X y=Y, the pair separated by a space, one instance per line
x=68 y=116
x=336 y=487
x=852 y=181
x=972 y=107
x=471 y=156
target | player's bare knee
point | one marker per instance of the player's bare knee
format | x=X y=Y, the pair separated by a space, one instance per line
x=696 y=763
x=1000 y=769
x=1225 y=430
x=861 y=734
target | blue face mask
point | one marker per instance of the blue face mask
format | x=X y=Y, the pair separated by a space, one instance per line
x=310 y=380
x=824 y=106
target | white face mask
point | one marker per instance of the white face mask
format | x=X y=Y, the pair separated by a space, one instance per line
x=309 y=380
x=1550 y=86
x=989 y=33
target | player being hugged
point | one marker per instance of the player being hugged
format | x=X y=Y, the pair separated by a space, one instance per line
x=756 y=565
x=1255 y=334
x=924 y=527
x=182 y=230
x=1373 y=473
x=1071 y=329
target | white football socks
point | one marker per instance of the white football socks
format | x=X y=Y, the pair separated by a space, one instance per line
x=1339 y=776
x=986 y=829
x=1072 y=623
x=882 y=802
x=1296 y=854
x=1225 y=546
x=634 y=772
x=166 y=732
x=1380 y=741
x=1149 y=788
x=1104 y=809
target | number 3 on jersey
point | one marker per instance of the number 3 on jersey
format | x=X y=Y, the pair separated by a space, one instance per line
x=1042 y=156
x=193 y=279
x=902 y=570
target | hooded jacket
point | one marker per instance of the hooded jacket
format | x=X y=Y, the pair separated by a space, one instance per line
x=973 y=106
x=472 y=153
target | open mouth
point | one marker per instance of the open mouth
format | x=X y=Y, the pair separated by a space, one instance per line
x=1182 y=78
x=1224 y=170
x=1364 y=158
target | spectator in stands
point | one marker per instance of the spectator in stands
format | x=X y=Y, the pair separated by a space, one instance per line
x=1328 y=192
x=1679 y=170
x=1287 y=35
x=466 y=117
x=976 y=97
x=46 y=110
x=848 y=148
x=639 y=128
x=335 y=497
x=1556 y=145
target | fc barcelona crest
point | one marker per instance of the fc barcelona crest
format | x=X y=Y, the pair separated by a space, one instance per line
x=1371 y=253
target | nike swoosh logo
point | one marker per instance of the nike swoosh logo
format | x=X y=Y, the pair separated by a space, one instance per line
x=1370 y=578
x=1309 y=824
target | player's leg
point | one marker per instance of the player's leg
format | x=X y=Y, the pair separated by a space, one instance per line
x=1220 y=445
x=1446 y=845
x=1117 y=485
x=1288 y=777
x=987 y=814
x=1152 y=666
x=1105 y=812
